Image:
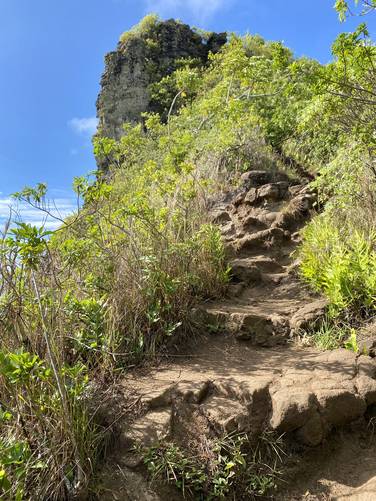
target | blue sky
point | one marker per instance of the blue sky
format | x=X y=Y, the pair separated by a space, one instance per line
x=51 y=60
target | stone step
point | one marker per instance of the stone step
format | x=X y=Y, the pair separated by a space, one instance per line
x=256 y=270
x=264 y=195
x=147 y=430
x=245 y=273
x=220 y=217
x=236 y=289
x=253 y=223
x=261 y=240
x=271 y=192
x=295 y=213
x=242 y=282
x=257 y=178
x=263 y=263
x=301 y=393
x=265 y=315
x=274 y=278
x=261 y=328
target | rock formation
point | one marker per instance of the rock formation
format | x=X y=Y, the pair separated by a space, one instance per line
x=142 y=58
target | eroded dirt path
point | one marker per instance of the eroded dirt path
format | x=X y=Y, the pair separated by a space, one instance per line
x=342 y=468
x=244 y=374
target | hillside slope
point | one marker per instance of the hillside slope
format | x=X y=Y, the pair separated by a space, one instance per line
x=229 y=232
x=243 y=375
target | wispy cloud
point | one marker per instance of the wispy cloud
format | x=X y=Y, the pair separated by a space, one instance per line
x=17 y=211
x=84 y=125
x=201 y=9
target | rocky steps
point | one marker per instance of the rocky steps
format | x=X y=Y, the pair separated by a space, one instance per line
x=266 y=303
x=246 y=373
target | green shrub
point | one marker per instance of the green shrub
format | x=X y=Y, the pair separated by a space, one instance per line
x=340 y=263
x=145 y=26
x=45 y=455
x=234 y=470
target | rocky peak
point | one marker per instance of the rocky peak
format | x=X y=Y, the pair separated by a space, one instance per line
x=145 y=55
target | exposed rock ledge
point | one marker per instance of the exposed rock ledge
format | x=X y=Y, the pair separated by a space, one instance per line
x=141 y=60
x=226 y=386
x=243 y=388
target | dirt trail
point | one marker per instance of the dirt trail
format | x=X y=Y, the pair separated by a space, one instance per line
x=342 y=469
x=244 y=374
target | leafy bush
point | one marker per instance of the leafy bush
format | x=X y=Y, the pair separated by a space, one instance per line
x=144 y=27
x=235 y=470
x=338 y=250
x=340 y=263
x=46 y=434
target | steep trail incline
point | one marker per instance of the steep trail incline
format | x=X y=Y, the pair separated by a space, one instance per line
x=260 y=225
x=243 y=374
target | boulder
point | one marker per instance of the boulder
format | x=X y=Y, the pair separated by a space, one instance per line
x=309 y=315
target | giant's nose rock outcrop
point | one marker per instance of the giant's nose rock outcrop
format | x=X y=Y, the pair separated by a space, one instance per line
x=145 y=56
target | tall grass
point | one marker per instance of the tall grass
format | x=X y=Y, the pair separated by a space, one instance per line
x=116 y=281
x=48 y=441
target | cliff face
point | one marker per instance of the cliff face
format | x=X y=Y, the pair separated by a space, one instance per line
x=141 y=59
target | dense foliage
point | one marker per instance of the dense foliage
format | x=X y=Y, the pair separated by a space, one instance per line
x=118 y=279
x=338 y=254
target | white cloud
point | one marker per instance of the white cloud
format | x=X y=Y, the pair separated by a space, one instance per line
x=17 y=211
x=201 y=9
x=84 y=125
